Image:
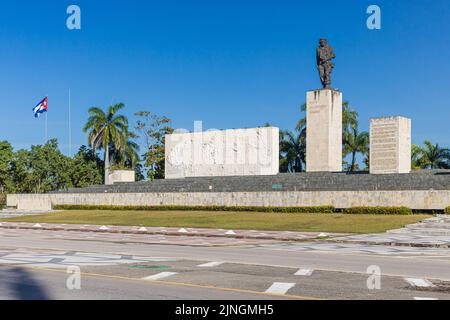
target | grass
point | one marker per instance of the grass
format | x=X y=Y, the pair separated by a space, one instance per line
x=313 y=222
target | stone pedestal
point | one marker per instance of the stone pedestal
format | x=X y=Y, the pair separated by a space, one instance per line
x=390 y=145
x=324 y=131
x=121 y=176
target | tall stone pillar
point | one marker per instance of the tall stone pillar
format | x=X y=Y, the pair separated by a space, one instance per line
x=324 y=131
x=390 y=145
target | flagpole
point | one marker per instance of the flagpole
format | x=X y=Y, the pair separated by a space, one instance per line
x=70 y=123
x=46 y=128
x=46 y=123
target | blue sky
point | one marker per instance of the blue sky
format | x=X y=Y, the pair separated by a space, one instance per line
x=228 y=63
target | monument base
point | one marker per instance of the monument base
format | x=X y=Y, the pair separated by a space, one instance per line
x=324 y=131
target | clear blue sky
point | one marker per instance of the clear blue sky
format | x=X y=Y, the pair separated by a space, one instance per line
x=231 y=64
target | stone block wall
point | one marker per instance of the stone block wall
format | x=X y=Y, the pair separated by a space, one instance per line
x=418 y=200
x=240 y=152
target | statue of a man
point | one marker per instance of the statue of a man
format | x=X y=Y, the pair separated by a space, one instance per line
x=324 y=56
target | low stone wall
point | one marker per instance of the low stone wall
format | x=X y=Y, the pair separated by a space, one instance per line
x=417 y=200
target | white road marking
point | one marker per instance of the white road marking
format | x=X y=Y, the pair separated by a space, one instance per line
x=160 y=276
x=280 y=288
x=304 y=272
x=425 y=298
x=211 y=264
x=423 y=283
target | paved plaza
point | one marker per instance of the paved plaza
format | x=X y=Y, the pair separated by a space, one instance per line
x=432 y=233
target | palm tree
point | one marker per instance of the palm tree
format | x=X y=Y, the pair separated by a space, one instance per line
x=349 y=118
x=128 y=155
x=416 y=157
x=293 y=150
x=432 y=156
x=106 y=130
x=356 y=142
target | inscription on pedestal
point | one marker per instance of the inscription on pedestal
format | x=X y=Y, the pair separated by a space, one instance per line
x=390 y=145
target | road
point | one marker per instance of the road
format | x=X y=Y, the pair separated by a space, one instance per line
x=33 y=265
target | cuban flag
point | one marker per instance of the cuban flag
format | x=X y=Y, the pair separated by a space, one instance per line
x=40 y=108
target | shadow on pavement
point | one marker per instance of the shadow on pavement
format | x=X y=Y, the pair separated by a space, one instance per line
x=18 y=284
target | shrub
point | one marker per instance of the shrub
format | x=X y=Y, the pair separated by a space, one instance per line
x=318 y=209
x=447 y=210
x=379 y=210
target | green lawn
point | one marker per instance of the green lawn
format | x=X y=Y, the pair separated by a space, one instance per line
x=340 y=223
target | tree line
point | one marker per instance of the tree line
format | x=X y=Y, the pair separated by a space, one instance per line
x=112 y=144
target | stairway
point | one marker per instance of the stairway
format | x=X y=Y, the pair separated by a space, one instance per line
x=323 y=181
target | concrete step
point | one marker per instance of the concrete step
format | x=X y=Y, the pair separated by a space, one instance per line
x=425 y=226
x=421 y=231
x=325 y=181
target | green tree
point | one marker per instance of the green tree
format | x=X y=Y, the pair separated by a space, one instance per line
x=431 y=156
x=293 y=150
x=107 y=129
x=153 y=130
x=139 y=171
x=416 y=157
x=349 y=120
x=6 y=156
x=41 y=169
x=86 y=168
x=126 y=157
x=355 y=142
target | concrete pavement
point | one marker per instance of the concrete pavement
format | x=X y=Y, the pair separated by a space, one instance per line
x=35 y=284
x=303 y=270
x=430 y=233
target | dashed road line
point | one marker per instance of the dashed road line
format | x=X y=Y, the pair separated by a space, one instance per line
x=425 y=298
x=159 y=276
x=422 y=283
x=211 y=264
x=280 y=288
x=304 y=272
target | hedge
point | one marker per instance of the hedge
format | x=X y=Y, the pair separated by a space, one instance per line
x=379 y=210
x=318 y=209
x=447 y=210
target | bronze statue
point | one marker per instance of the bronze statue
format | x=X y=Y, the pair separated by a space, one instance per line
x=324 y=56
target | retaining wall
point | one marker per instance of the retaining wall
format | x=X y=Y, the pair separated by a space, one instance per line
x=417 y=200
